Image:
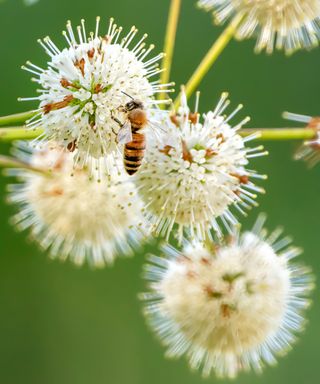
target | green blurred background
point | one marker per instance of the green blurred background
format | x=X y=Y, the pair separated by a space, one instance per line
x=61 y=325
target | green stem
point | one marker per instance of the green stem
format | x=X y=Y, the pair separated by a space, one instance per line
x=19 y=133
x=16 y=118
x=10 y=162
x=265 y=134
x=169 y=43
x=210 y=58
x=280 y=134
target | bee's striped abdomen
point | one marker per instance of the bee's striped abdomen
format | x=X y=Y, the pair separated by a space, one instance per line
x=134 y=153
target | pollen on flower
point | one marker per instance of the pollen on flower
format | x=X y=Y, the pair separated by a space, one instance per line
x=196 y=171
x=309 y=151
x=84 y=85
x=74 y=217
x=228 y=308
x=285 y=24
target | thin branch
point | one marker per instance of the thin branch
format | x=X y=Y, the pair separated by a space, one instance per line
x=169 y=43
x=16 y=118
x=280 y=134
x=19 y=133
x=210 y=58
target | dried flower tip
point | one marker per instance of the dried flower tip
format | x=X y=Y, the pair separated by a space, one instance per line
x=309 y=151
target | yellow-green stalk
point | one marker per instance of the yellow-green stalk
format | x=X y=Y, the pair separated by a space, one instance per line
x=280 y=134
x=210 y=58
x=11 y=162
x=16 y=118
x=19 y=133
x=169 y=43
x=264 y=134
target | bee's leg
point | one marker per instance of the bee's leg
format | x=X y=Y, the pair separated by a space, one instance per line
x=118 y=122
x=115 y=119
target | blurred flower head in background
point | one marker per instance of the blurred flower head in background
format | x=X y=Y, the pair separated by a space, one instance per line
x=284 y=24
x=72 y=216
x=230 y=307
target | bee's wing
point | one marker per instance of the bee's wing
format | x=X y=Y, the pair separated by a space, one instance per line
x=157 y=131
x=125 y=133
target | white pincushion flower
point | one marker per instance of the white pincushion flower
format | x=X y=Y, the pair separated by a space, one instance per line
x=233 y=308
x=196 y=172
x=75 y=217
x=309 y=151
x=286 y=24
x=85 y=84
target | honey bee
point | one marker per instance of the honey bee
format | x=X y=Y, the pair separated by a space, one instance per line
x=129 y=134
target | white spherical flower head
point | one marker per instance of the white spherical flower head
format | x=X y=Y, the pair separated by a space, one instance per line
x=233 y=308
x=309 y=151
x=74 y=217
x=196 y=172
x=286 y=24
x=86 y=85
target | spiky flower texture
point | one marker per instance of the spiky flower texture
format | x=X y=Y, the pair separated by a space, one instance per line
x=232 y=308
x=286 y=24
x=74 y=217
x=196 y=172
x=85 y=84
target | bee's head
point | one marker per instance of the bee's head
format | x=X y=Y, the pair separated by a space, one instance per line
x=134 y=104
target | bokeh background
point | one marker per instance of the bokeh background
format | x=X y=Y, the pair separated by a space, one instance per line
x=60 y=324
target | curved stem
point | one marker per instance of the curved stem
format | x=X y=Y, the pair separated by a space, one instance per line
x=280 y=134
x=210 y=58
x=19 y=133
x=16 y=118
x=169 y=43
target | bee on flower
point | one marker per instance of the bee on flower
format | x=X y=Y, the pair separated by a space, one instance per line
x=196 y=171
x=72 y=216
x=285 y=24
x=84 y=86
x=230 y=307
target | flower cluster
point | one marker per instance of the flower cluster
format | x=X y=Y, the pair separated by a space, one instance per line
x=197 y=171
x=112 y=168
x=72 y=216
x=231 y=307
x=286 y=24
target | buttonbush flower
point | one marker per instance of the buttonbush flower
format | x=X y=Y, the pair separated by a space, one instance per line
x=72 y=216
x=84 y=85
x=230 y=307
x=285 y=24
x=196 y=172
